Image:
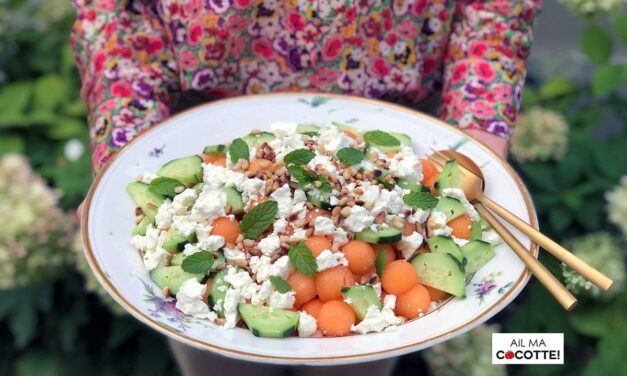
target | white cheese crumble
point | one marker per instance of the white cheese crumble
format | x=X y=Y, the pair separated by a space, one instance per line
x=405 y=164
x=460 y=242
x=231 y=301
x=252 y=190
x=283 y=129
x=270 y=245
x=358 y=219
x=147 y=177
x=333 y=139
x=209 y=205
x=234 y=254
x=491 y=237
x=189 y=300
x=283 y=197
x=437 y=224
x=163 y=219
x=307 y=324
x=377 y=319
x=217 y=176
x=419 y=216
x=324 y=226
x=327 y=260
x=409 y=244
x=283 y=145
x=458 y=194
x=209 y=242
x=389 y=201
x=325 y=162
x=282 y=300
x=150 y=245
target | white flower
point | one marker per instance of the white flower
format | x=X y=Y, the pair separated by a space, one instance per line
x=73 y=150
x=617 y=205
x=540 y=134
x=590 y=7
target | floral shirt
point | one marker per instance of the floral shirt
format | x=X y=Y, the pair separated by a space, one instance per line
x=134 y=56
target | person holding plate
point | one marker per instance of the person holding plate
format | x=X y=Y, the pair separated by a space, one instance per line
x=140 y=60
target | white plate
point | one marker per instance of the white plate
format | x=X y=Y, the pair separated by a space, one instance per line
x=109 y=219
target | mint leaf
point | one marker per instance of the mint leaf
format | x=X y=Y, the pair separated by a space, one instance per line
x=380 y=138
x=198 y=263
x=280 y=285
x=239 y=150
x=301 y=175
x=350 y=156
x=302 y=259
x=298 y=157
x=164 y=186
x=256 y=221
x=420 y=200
x=326 y=186
x=380 y=262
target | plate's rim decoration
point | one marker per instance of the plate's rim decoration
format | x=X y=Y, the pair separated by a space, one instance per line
x=511 y=294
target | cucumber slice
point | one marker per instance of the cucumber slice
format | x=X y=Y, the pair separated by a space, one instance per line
x=441 y=271
x=476 y=232
x=267 y=322
x=411 y=185
x=449 y=177
x=252 y=139
x=385 y=236
x=148 y=202
x=215 y=149
x=402 y=137
x=319 y=202
x=478 y=253
x=347 y=128
x=187 y=170
x=451 y=207
x=178 y=258
x=174 y=241
x=308 y=129
x=216 y=293
x=172 y=277
x=361 y=298
x=142 y=226
x=234 y=198
x=444 y=244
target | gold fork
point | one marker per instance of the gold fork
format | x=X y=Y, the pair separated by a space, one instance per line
x=473 y=186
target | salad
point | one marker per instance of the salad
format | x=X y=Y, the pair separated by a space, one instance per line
x=309 y=230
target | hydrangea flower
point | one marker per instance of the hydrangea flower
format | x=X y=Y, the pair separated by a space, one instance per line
x=91 y=283
x=601 y=251
x=468 y=354
x=617 y=205
x=35 y=234
x=590 y=7
x=540 y=134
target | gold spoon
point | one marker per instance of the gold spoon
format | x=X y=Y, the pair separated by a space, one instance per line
x=473 y=185
x=561 y=294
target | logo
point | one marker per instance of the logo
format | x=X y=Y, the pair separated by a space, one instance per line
x=528 y=348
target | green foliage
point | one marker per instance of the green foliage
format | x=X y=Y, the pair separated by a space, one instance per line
x=596 y=44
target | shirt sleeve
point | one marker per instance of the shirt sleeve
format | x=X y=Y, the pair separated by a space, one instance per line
x=485 y=64
x=127 y=70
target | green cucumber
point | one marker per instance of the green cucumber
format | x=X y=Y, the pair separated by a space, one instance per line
x=441 y=271
x=478 y=253
x=360 y=298
x=449 y=177
x=267 y=322
x=476 y=233
x=347 y=128
x=216 y=294
x=215 y=149
x=142 y=226
x=444 y=244
x=147 y=201
x=384 y=236
x=172 y=277
x=308 y=129
x=252 y=139
x=234 y=199
x=317 y=202
x=411 y=185
x=402 y=137
x=174 y=241
x=451 y=207
x=187 y=170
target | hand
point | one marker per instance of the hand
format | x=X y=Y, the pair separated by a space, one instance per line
x=497 y=144
x=79 y=212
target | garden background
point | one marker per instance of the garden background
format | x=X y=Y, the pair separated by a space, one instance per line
x=570 y=147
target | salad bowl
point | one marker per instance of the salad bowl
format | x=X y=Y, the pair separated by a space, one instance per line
x=108 y=220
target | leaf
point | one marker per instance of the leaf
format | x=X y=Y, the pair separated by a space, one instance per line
x=38 y=362
x=302 y=176
x=64 y=128
x=560 y=219
x=610 y=356
x=620 y=27
x=380 y=138
x=380 y=262
x=302 y=259
x=49 y=92
x=600 y=320
x=596 y=44
x=198 y=263
x=298 y=157
x=529 y=99
x=23 y=323
x=15 y=97
x=606 y=80
x=280 y=285
x=256 y=221
x=541 y=175
x=557 y=87
x=239 y=150
x=420 y=200
x=164 y=186
x=11 y=144
x=350 y=156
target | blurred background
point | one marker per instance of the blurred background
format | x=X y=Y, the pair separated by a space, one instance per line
x=570 y=147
